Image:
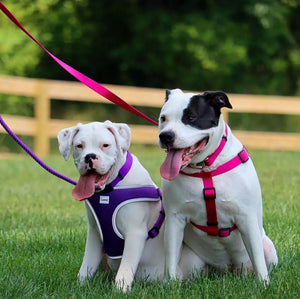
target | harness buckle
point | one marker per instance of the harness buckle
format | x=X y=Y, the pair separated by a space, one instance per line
x=225 y=232
x=243 y=155
x=209 y=193
x=153 y=232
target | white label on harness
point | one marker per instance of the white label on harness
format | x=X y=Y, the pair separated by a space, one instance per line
x=104 y=199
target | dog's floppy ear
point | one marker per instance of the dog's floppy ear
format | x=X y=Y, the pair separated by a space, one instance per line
x=168 y=91
x=65 y=139
x=122 y=134
x=217 y=99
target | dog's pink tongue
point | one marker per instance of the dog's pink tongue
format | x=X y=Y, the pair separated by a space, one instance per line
x=85 y=187
x=172 y=164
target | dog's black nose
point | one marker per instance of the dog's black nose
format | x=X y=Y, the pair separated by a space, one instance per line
x=167 y=138
x=89 y=157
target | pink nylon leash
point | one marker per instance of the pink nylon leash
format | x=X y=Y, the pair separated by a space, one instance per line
x=79 y=76
x=101 y=90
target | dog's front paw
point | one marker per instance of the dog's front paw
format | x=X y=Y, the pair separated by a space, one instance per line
x=83 y=275
x=124 y=282
x=82 y=278
x=265 y=281
x=123 y=286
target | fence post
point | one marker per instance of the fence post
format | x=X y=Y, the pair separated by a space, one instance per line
x=225 y=115
x=42 y=116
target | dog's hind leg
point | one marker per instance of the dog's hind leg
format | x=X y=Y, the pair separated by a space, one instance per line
x=93 y=251
x=252 y=237
x=270 y=253
x=190 y=263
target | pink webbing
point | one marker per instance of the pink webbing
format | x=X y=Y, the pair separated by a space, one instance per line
x=209 y=193
x=103 y=91
x=242 y=157
x=211 y=159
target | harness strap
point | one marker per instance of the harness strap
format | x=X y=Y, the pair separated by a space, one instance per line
x=211 y=158
x=240 y=158
x=150 y=192
x=123 y=171
x=215 y=230
x=154 y=231
x=209 y=194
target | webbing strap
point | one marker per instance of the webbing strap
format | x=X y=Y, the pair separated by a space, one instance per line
x=241 y=157
x=100 y=89
x=209 y=194
x=212 y=158
x=84 y=79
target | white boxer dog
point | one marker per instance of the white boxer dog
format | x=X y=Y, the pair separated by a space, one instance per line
x=100 y=152
x=212 y=195
x=125 y=215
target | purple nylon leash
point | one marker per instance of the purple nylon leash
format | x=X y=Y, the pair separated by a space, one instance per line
x=33 y=155
x=101 y=90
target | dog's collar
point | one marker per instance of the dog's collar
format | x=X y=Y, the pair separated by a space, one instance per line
x=121 y=174
x=209 y=160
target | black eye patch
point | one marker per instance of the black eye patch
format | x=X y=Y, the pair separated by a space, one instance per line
x=200 y=114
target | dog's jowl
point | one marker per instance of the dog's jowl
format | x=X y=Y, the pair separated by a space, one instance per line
x=212 y=195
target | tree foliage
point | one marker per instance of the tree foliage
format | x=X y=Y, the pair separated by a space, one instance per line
x=250 y=46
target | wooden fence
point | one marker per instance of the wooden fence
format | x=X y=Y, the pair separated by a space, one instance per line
x=42 y=127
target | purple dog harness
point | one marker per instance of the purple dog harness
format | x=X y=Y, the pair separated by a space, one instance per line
x=106 y=204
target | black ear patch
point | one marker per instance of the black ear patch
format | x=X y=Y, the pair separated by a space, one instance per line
x=217 y=99
x=204 y=110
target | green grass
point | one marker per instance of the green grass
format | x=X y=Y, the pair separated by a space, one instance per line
x=43 y=230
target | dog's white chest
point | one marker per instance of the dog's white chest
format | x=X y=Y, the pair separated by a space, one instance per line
x=182 y=196
x=185 y=196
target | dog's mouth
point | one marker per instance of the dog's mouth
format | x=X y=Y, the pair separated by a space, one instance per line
x=177 y=159
x=89 y=183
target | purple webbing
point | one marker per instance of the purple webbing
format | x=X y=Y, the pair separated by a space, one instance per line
x=33 y=155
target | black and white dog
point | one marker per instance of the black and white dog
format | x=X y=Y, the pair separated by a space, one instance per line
x=212 y=195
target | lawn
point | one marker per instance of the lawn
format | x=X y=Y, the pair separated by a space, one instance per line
x=43 y=230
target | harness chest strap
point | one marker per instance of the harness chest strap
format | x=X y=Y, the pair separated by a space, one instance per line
x=106 y=203
x=209 y=193
x=154 y=231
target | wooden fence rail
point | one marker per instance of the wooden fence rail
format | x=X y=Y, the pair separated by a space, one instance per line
x=42 y=127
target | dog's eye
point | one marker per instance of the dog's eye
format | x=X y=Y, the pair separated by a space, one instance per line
x=79 y=146
x=105 y=146
x=191 y=117
x=162 y=118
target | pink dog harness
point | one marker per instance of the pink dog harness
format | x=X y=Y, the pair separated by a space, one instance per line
x=105 y=205
x=209 y=191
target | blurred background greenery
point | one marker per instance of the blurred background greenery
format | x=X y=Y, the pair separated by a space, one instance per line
x=250 y=46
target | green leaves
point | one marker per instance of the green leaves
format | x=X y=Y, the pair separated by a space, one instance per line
x=245 y=47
